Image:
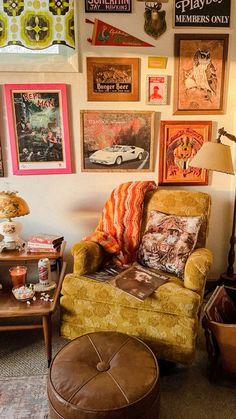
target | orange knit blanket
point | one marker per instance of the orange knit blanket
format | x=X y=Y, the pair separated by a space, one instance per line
x=118 y=230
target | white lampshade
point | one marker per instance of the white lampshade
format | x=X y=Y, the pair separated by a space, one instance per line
x=214 y=156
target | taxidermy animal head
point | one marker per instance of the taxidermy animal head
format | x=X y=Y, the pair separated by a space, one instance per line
x=155 y=23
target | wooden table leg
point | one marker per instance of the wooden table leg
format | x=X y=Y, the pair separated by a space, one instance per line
x=47 y=333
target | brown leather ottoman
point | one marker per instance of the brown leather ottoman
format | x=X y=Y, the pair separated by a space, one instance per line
x=104 y=375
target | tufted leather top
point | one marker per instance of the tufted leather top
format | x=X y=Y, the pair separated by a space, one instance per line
x=103 y=375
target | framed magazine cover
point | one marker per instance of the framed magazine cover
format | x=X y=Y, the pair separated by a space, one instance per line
x=117 y=140
x=200 y=64
x=179 y=142
x=157 y=89
x=38 y=128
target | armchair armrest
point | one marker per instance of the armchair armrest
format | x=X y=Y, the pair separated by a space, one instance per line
x=196 y=269
x=88 y=257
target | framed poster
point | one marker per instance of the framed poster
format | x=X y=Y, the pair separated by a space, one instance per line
x=179 y=142
x=38 y=128
x=200 y=62
x=157 y=89
x=214 y=13
x=108 y=6
x=117 y=140
x=112 y=79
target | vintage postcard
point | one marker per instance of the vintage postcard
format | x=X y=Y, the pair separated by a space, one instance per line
x=157 y=89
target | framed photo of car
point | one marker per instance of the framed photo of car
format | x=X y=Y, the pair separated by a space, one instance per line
x=179 y=142
x=38 y=128
x=112 y=79
x=117 y=140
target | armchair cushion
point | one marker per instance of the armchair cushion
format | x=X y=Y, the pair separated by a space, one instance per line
x=171 y=298
x=168 y=241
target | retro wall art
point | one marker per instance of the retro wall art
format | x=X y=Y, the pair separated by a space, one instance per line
x=154 y=18
x=179 y=142
x=108 y=6
x=211 y=13
x=105 y=34
x=117 y=140
x=157 y=89
x=38 y=128
x=200 y=63
x=112 y=79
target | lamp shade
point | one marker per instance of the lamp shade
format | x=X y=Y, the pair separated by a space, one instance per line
x=12 y=205
x=214 y=156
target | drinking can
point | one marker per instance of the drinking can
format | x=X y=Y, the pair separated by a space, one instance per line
x=44 y=271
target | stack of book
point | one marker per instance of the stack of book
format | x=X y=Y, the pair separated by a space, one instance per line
x=48 y=243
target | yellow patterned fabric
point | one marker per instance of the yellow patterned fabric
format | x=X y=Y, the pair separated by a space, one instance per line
x=168 y=320
x=37 y=24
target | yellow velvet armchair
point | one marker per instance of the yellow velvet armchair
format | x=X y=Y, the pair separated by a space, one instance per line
x=168 y=320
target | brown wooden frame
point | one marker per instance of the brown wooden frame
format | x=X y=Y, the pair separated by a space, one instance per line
x=179 y=142
x=189 y=95
x=115 y=93
x=139 y=125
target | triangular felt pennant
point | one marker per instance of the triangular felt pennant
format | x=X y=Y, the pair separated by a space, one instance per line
x=105 y=34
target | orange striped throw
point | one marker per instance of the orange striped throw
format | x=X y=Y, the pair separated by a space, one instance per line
x=118 y=230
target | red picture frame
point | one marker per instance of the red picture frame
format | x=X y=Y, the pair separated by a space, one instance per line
x=179 y=142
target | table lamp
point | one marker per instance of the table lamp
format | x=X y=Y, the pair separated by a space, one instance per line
x=217 y=157
x=11 y=206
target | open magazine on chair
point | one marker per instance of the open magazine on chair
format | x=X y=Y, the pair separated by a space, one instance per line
x=139 y=281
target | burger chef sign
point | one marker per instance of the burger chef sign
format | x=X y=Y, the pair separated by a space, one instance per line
x=212 y=13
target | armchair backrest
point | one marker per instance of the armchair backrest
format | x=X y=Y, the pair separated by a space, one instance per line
x=179 y=202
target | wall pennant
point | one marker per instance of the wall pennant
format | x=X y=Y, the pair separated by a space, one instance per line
x=155 y=18
x=105 y=34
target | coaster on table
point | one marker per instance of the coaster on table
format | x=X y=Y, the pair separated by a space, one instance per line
x=40 y=287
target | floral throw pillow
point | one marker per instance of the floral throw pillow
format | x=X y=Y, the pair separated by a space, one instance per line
x=168 y=241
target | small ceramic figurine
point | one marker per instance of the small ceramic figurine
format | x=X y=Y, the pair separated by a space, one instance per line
x=155 y=23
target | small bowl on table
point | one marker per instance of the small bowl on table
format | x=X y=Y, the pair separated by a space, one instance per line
x=24 y=292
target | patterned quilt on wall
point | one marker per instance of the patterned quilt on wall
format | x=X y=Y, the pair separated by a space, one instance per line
x=37 y=24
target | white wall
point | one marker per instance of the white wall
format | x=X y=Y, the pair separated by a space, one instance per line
x=71 y=204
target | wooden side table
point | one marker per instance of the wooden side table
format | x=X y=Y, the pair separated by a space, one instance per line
x=11 y=308
x=24 y=257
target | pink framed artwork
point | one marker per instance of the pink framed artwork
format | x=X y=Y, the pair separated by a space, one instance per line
x=38 y=128
x=179 y=142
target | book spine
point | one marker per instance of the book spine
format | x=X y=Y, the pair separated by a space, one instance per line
x=45 y=240
x=42 y=250
x=46 y=245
